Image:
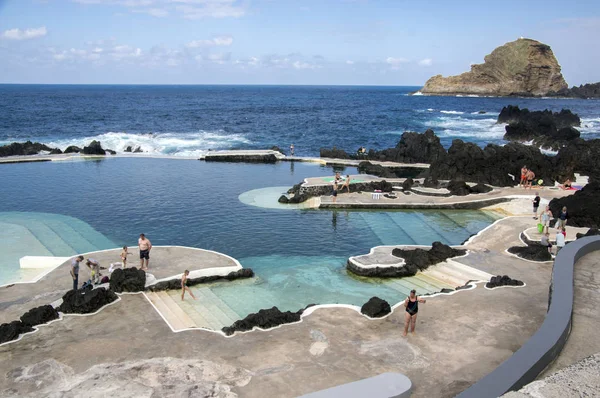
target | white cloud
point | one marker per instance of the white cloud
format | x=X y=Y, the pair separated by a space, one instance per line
x=348 y=62
x=155 y=12
x=426 y=62
x=304 y=65
x=211 y=10
x=18 y=34
x=215 y=41
x=395 y=63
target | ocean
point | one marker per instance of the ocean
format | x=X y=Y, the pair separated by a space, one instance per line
x=190 y=120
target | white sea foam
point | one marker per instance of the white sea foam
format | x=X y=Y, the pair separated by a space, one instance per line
x=590 y=125
x=418 y=93
x=467 y=128
x=430 y=110
x=176 y=144
x=548 y=151
x=452 y=112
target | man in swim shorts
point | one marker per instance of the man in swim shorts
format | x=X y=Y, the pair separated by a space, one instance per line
x=412 y=308
x=145 y=246
x=335 y=190
x=523 y=176
x=530 y=178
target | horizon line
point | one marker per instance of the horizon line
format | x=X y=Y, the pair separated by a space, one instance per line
x=209 y=84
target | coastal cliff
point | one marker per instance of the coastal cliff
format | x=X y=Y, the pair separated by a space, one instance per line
x=522 y=67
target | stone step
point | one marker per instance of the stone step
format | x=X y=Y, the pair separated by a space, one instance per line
x=229 y=314
x=442 y=276
x=47 y=237
x=419 y=232
x=176 y=309
x=72 y=237
x=452 y=271
x=476 y=273
x=221 y=311
x=100 y=241
x=212 y=322
x=200 y=321
x=164 y=310
x=427 y=277
x=424 y=283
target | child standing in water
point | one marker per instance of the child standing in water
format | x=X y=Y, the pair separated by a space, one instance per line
x=184 y=287
x=124 y=255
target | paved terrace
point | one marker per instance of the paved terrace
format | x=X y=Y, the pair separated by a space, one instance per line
x=459 y=339
x=165 y=262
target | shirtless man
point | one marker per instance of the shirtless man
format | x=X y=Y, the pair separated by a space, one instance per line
x=184 y=287
x=412 y=308
x=530 y=178
x=523 y=176
x=346 y=184
x=145 y=246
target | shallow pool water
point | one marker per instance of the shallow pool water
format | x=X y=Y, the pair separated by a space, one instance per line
x=298 y=255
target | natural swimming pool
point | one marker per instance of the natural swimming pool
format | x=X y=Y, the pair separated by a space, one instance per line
x=299 y=256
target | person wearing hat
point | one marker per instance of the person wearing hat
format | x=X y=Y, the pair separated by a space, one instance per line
x=412 y=308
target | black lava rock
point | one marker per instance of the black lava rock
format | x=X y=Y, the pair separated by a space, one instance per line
x=503 y=280
x=534 y=252
x=334 y=153
x=72 y=149
x=582 y=207
x=579 y=156
x=86 y=301
x=176 y=283
x=25 y=148
x=430 y=182
x=376 y=170
x=264 y=319
x=11 y=331
x=267 y=158
x=283 y=199
x=94 y=148
x=408 y=184
x=376 y=308
x=591 y=232
x=585 y=91
x=481 y=188
x=138 y=149
x=412 y=148
x=127 y=280
x=458 y=188
x=39 y=315
x=128 y=149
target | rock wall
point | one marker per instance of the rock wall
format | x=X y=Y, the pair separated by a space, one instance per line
x=522 y=67
x=25 y=149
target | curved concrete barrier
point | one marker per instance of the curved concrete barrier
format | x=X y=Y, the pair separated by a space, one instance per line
x=545 y=345
x=385 y=385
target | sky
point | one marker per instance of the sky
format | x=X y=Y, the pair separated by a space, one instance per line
x=320 y=42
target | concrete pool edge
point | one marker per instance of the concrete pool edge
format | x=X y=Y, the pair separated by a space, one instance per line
x=546 y=344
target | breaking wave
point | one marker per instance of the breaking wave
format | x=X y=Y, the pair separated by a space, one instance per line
x=175 y=144
x=460 y=127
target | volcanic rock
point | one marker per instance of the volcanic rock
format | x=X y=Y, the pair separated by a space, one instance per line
x=590 y=232
x=582 y=207
x=430 y=182
x=522 y=67
x=174 y=284
x=334 y=153
x=579 y=156
x=25 y=149
x=94 y=148
x=376 y=170
x=263 y=319
x=283 y=199
x=127 y=280
x=492 y=165
x=138 y=149
x=128 y=149
x=412 y=148
x=266 y=158
x=376 y=308
x=39 y=315
x=407 y=184
x=86 y=301
x=534 y=252
x=503 y=280
x=72 y=149
x=458 y=188
x=11 y=331
x=590 y=90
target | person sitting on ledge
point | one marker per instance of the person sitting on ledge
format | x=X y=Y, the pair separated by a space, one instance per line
x=545 y=241
x=412 y=308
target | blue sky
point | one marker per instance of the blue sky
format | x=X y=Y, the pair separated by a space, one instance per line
x=385 y=42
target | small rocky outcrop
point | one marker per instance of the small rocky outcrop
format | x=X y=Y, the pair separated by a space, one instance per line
x=430 y=182
x=334 y=153
x=376 y=308
x=461 y=188
x=174 y=284
x=545 y=128
x=84 y=301
x=94 y=148
x=578 y=156
x=11 y=331
x=263 y=319
x=128 y=149
x=522 y=67
x=127 y=280
x=503 y=280
x=492 y=164
x=72 y=149
x=582 y=206
x=138 y=149
x=584 y=91
x=39 y=315
x=376 y=170
x=415 y=260
x=300 y=193
x=26 y=148
x=590 y=232
x=408 y=184
x=412 y=148
x=533 y=252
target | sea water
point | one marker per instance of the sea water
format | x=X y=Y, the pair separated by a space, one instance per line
x=190 y=120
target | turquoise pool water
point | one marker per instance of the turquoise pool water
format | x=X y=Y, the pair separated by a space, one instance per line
x=298 y=255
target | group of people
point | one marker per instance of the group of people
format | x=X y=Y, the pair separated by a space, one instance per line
x=544 y=225
x=339 y=183
x=93 y=265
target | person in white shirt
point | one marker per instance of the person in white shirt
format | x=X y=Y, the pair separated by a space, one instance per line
x=560 y=240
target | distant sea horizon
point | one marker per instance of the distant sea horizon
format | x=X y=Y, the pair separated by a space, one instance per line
x=191 y=119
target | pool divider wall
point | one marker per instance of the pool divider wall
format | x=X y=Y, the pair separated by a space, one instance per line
x=545 y=345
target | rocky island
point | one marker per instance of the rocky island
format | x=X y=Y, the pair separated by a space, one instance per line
x=524 y=67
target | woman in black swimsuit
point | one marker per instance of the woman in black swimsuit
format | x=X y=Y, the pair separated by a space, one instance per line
x=412 y=308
